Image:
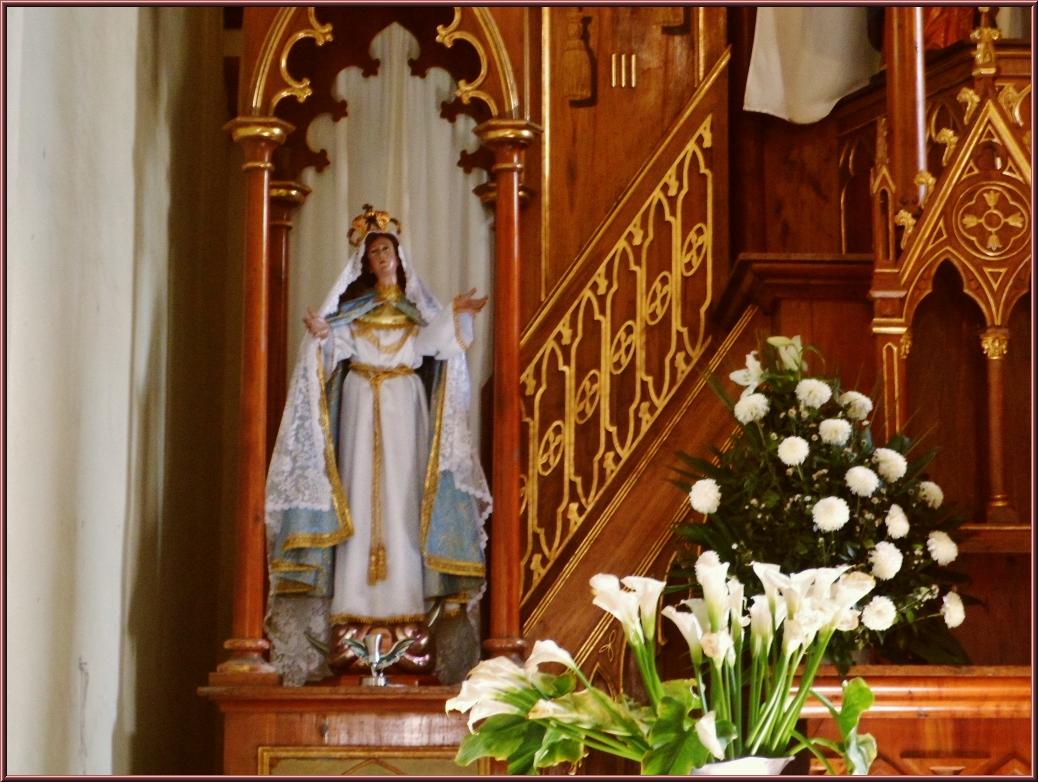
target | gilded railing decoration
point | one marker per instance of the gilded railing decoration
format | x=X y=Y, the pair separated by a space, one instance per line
x=617 y=356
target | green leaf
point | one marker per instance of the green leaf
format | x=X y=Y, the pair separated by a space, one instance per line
x=702 y=466
x=497 y=737
x=717 y=388
x=682 y=691
x=857 y=698
x=859 y=752
x=680 y=755
x=521 y=759
x=556 y=747
x=671 y=720
x=916 y=466
x=556 y=686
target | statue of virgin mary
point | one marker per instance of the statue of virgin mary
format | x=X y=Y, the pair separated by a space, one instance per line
x=375 y=501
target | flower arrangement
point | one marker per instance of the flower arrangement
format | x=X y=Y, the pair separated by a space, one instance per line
x=803 y=485
x=742 y=699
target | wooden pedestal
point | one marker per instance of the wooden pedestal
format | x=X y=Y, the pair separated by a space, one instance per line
x=340 y=730
x=929 y=720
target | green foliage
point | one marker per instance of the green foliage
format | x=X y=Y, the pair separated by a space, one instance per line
x=858 y=750
x=765 y=513
x=501 y=737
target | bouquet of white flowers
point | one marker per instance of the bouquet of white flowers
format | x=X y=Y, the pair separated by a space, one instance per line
x=742 y=700
x=803 y=485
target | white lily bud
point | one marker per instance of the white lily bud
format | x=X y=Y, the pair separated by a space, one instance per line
x=691 y=630
x=648 y=591
x=761 y=624
x=711 y=573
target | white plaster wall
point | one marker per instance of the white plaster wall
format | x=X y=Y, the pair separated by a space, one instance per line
x=117 y=181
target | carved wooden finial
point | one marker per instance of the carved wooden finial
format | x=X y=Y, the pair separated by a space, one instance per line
x=985 y=36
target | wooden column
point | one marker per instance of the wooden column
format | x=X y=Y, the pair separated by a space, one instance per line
x=892 y=346
x=285 y=198
x=906 y=102
x=258 y=136
x=507 y=138
x=995 y=343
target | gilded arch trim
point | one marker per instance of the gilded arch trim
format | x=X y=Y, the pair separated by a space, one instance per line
x=280 y=40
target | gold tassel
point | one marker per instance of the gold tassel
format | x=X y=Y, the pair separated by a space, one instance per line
x=377 y=564
x=576 y=60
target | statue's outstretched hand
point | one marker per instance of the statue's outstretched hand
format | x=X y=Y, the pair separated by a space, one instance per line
x=465 y=302
x=316 y=325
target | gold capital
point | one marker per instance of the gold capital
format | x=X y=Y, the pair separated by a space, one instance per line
x=292 y=192
x=995 y=343
x=503 y=131
x=266 y=128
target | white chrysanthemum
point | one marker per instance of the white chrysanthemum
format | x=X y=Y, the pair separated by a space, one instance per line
x=813 y=393
x=952 y=610
x=890 y=464
x=941 y=547
x=834 y=431
x=931 y=494
x=751 y=407
x=705 y=496
x=857 y=404
x=862 y=481
x=897 y=522
x=830 y=513
x=793 y=450
x=886 y=560
x=879 y=614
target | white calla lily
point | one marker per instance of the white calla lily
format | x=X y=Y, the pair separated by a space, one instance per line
x=762 y=627
x=711 y=573
x=547 y=652
x=691 y=630
x=488 y=708
x=647 y=591
x=706 y=731
x=717 y=645
x=613 y=599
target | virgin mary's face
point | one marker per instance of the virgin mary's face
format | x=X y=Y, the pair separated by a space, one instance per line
x=383 y=261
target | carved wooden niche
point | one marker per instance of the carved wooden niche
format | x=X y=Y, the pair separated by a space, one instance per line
x=355 y=28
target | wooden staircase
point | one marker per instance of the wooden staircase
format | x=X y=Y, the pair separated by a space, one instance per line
x=613 y=377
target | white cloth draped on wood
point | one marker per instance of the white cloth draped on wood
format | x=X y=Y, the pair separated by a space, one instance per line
x=805 y=59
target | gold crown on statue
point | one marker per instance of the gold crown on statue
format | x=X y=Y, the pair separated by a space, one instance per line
x=371 y=219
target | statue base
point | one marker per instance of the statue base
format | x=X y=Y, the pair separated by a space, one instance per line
x=418 y=659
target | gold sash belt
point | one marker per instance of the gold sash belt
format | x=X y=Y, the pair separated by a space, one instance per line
x=375 y=376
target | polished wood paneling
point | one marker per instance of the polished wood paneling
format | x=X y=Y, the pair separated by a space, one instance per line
x=946 y=397
x=596 y=148
x=823 y=297
x=375 y=720
x=935 y=720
